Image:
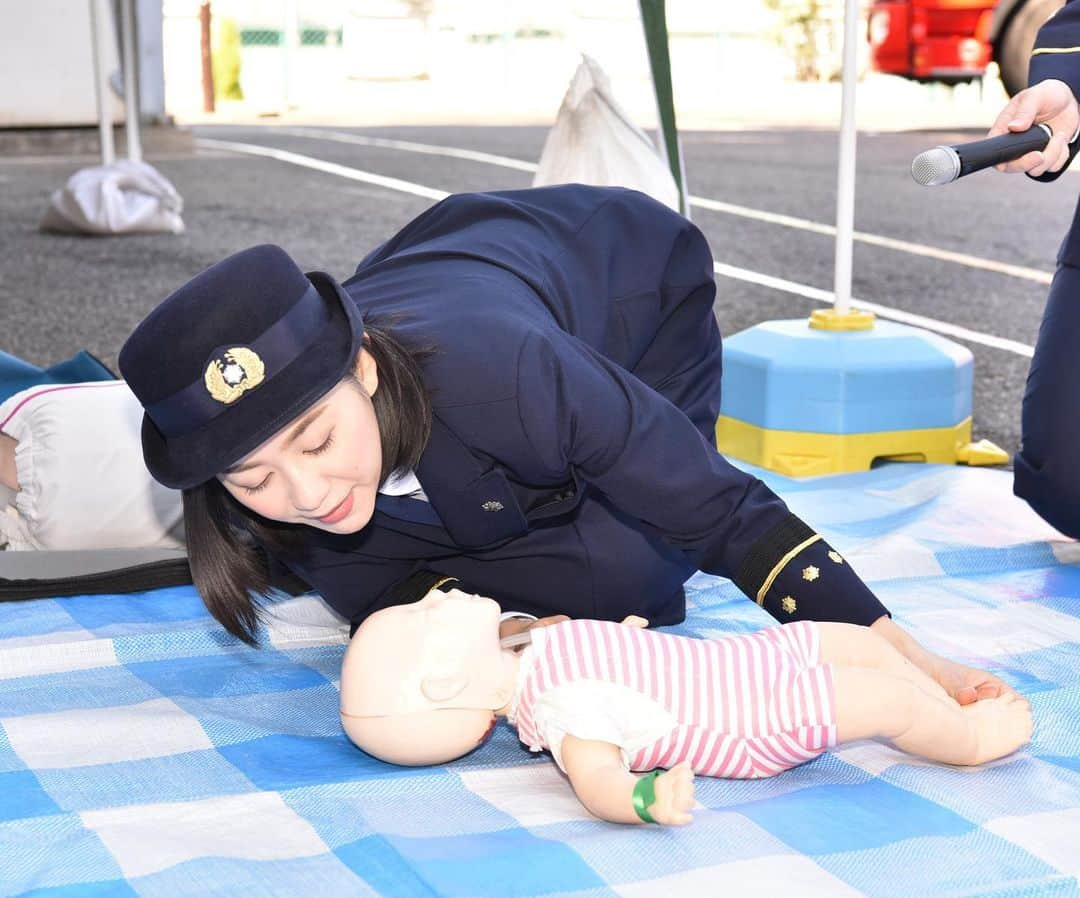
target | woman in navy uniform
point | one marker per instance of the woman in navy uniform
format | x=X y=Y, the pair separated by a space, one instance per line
x=516 y=394
x=1045 y=469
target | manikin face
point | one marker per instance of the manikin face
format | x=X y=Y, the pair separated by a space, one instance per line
x=420 y=683
x=322 y=469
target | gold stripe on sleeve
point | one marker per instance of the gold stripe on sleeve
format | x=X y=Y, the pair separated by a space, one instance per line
x=780 y=565
x=442 y=581
x=1039 y=50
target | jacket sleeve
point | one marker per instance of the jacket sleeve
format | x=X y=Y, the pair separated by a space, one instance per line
x=1056 y=54
x=582 y=412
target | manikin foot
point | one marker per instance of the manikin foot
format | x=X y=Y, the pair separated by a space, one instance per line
x=1002 y=725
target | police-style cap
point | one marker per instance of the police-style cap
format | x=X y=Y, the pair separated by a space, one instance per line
x=232 y=357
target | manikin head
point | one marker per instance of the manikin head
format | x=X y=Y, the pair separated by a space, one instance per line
x=421 y=683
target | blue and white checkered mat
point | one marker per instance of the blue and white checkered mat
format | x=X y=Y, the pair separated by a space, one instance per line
x=143 y=752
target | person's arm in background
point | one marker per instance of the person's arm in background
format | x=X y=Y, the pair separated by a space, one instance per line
x=1051 y=97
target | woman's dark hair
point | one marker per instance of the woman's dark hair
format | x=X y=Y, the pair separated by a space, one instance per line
x=229 y=547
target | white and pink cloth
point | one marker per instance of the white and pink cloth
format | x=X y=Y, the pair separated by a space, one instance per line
x=743 y=706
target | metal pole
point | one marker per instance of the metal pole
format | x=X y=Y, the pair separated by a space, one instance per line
x=99 y=33
x=845 y=183
x=207 y=60
x=131 y=78
x=654 y=22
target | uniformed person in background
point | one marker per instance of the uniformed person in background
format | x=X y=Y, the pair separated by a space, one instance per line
x=516 y=394
x=1046 y=472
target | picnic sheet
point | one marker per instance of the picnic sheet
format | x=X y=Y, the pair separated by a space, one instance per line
x=145 y=752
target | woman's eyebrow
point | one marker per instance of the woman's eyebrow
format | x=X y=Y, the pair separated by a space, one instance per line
x=293 y=436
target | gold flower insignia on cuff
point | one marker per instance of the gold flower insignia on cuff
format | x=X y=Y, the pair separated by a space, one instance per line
x=788 y=604
x=810 y=573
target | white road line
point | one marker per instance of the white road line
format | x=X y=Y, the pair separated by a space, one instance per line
x=330 y=168
x=904 y=246
x=742 y=274
x=410 y=147
x=826 y=296
x=788 y=221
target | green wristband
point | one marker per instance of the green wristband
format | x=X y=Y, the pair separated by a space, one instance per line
x=645 y=795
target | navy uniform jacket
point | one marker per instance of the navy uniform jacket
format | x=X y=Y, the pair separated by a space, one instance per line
x=1056 y=54
x=541 y=302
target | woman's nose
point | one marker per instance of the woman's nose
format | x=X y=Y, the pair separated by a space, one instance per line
x=307 y=492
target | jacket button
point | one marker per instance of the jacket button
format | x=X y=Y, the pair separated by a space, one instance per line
x=492 y=505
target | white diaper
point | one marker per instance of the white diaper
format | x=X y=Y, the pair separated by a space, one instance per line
x=82 y=480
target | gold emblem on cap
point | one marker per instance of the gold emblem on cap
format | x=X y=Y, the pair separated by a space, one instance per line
x=788 y=604
x=233 y=374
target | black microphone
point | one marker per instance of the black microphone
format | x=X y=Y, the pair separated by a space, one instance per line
x=942 y=164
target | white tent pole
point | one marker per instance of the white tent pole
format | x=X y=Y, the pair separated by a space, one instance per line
x=131 y=78
x=99 y=34
x=290 y=43
x=845 y=184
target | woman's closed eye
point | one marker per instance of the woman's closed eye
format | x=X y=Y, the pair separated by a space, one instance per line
x=259 y=487
x=326 y=444
x=318 y=450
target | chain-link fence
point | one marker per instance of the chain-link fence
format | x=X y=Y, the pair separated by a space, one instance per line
x=327 y=58
x=260 y=52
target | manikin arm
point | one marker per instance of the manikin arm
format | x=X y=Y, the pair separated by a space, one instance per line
x=8 y=475
x=604 y=785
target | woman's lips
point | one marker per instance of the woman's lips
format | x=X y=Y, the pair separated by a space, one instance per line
x=340 y=511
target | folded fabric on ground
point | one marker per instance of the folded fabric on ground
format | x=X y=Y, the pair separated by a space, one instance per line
x=17 y=374
x=145 y=752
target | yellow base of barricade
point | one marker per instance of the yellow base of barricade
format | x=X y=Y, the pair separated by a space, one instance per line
x=798 y=454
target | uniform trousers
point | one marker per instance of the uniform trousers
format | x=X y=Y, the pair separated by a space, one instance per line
x=1046 y=473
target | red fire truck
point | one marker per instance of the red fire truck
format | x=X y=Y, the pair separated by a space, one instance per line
x=952 y=41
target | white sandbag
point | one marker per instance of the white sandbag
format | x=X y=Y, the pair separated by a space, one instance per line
x=594 y=141
x=123 y=198
x=82 y=480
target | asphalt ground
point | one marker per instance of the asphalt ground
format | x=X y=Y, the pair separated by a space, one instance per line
x=59 y=293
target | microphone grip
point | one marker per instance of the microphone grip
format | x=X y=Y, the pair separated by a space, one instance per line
x=980 y=154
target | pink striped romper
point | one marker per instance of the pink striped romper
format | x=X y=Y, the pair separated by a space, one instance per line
x=743 y=706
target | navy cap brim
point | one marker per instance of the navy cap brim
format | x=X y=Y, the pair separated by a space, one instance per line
x=194 y=458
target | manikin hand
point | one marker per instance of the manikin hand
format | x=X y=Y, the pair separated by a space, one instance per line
x=1049 y=101
x=674 y=796
x=633 y=620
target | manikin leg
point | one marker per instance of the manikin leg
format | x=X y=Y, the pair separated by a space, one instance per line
x=875 y=705
x=882 y=695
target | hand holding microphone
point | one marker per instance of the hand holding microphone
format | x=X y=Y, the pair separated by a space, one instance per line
x=1050 y=102
x=1031 y=134
x=944 y=164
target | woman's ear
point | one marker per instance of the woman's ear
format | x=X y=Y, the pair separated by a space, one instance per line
x=367 y=372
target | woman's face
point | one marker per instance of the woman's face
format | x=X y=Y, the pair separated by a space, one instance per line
x=322 y=469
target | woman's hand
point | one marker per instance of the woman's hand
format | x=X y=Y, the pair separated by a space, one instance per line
x=965 y=684
x=515 y=625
